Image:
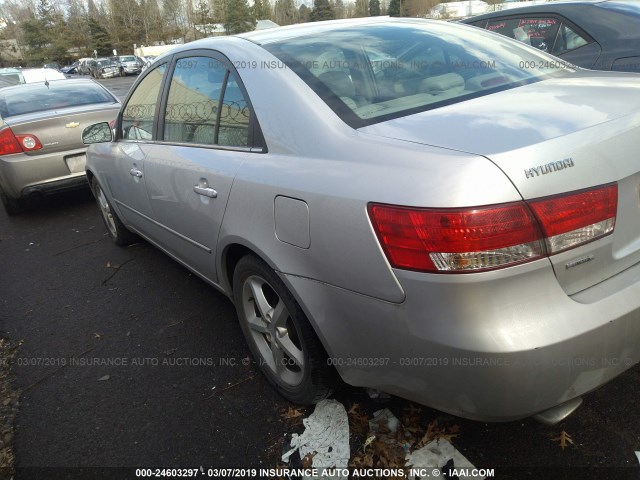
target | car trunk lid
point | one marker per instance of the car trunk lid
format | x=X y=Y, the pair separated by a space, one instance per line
x=62 y=130
x=549 y=138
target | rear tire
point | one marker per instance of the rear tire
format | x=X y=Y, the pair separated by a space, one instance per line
x=117 y=231
x=13 y=206
x=279 y=334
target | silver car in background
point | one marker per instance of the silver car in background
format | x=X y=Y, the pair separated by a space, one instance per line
x=41 y=124
x=420 y=207
x=129 y=64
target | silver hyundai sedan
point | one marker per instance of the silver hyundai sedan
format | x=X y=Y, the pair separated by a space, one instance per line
x=425 y=208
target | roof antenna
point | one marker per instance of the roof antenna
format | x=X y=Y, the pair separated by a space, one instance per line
x=46 y=83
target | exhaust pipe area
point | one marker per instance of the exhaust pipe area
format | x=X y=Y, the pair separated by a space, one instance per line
x=558 y=413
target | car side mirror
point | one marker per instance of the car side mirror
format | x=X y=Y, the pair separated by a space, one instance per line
x=97 y=133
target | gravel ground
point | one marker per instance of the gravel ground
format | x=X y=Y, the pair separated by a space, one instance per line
x=8 y=408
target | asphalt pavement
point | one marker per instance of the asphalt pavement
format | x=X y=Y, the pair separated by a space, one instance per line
x=129 y=361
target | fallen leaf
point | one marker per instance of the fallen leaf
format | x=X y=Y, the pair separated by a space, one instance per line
x=106 y=377
x=97 y=336
x=358 y=422
x=292 y=413
x=307 y=461
x=434 y=431
x=355 y=409
x=368 y=442
x=564 y=439
x=411 y=417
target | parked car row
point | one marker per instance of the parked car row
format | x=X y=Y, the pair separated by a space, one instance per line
x=109 y=67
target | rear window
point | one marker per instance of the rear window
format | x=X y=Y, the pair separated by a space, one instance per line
x=374 y=73
x=130 y=58
x=58 y=95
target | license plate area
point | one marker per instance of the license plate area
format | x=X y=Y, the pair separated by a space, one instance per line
x=76 y=163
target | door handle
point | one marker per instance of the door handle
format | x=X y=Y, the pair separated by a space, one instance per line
x=135 y=172
x=206 y=191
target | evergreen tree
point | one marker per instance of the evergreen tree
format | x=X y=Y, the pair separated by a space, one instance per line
x=100 y=40
x=77 y=29
x=36 y=39
x=237 y=18
x=261 y=9
x=394 y=8
x=203 y=17
x=322 y=10
x=374 y=8
x=304 y=13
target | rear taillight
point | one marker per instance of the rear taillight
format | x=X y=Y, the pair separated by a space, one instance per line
x=10 y=143
x=491 y=237
x=576 y=218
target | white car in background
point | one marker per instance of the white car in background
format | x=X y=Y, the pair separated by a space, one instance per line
x=35 y=75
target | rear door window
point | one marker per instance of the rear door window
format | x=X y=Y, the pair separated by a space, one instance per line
x=206 y=105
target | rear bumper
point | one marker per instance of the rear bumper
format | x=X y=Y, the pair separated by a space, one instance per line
x=57 y=186
x=22 y=175
x=496 y=346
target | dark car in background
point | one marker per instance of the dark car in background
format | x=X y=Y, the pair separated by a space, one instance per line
x=41 y=124
x=600 y=35
x=103 y=68
x=70 y=69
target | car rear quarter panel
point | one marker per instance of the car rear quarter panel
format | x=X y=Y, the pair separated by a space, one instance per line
x=314 y=157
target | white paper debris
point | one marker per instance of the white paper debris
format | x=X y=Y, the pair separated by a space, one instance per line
x=435 y=455
x=384 y=418
x=638 y=456
x=326 y=437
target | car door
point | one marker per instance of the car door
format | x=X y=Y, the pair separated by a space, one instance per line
x=206 y=131
x=126 y=178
